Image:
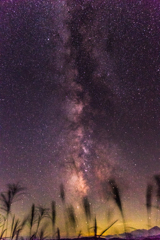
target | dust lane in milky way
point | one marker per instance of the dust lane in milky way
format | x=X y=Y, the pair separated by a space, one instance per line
x=80 y=98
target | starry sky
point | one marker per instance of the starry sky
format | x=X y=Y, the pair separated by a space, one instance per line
x=80 y=103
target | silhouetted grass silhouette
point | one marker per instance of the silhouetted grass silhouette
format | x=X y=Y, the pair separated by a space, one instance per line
x=2 y=233
x=42 y=232
x=20 y=227
x=2 y=225
x=31 y=219
x=63 y=198
x=42 y=213
x=107 y=228
x=15 y=228
x=38 y=228
x=58 y=234
x=71 y=216
x=149 y=202
x=87 y=210
x=53 y=217
x=79 y=234
x=62 y=193
x=9 y=197
x=95 y=228
x=157 y=179
x=12 y=225
x=117 y=199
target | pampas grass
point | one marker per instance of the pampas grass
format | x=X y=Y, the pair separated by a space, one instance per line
x=79 y=234
x=37 y=227
x=42 y=232
x=116 y=197
x=105 y=230
x=42 y=213
x=3 y=225
x=14 y=227
x=72 y=217
x=53 y=217
x=63 y=198
x=149 y=202
x=87 y=211
x=9 y=197
x=58 y=234
x=62 y=193
x=157 y=179
x=31 y=219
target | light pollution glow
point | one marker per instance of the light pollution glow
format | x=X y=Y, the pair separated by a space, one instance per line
x=74 y=142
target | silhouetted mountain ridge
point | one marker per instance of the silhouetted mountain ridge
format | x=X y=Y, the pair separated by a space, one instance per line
x=152 y=233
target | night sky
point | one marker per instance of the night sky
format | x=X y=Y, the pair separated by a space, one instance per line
x=80 y=103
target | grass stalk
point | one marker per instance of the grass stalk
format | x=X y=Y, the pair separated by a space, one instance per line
x=95 y=228
x=42 y=213
x=58 y=234
x=149 y=203
x=72 y=217
x=157 y=179
x=31 y=218
x=107 y=228
x=53 y=217
x=9 y=197
x=116 y=197
x=63 y=198
x=87 y=210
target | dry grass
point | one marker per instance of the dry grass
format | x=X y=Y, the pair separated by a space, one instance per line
x=38 y=228
x=116 y=197
x=149 y=202
x=87 y=211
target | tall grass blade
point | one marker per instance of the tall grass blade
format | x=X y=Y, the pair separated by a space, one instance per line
x=2 y=222
x=157 y=179
x=107 y=228
x=87 y=210
x=12 y=225
x=41 y=235
x=21 y=226
x=62 y=193
x=42 y=232
x=6 y=202
x=149 y=202
x=15 y=229
x=115 y=193
x=71 y=216
x=86 y=206
x=53 y=216
x=17 y=234
x=15 y=189
x=2 y=233
x=95 y=228
x=117 y=199
x=7 y=198
x=79 y=234
x=42 y=213
x=53 y=206
x=58 y=234
x=63 y=198
x=31 y=218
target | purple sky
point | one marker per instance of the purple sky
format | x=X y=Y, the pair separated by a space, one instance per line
x=80 y=102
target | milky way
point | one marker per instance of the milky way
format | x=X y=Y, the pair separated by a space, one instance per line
x=79 y=99
x=91 y=94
